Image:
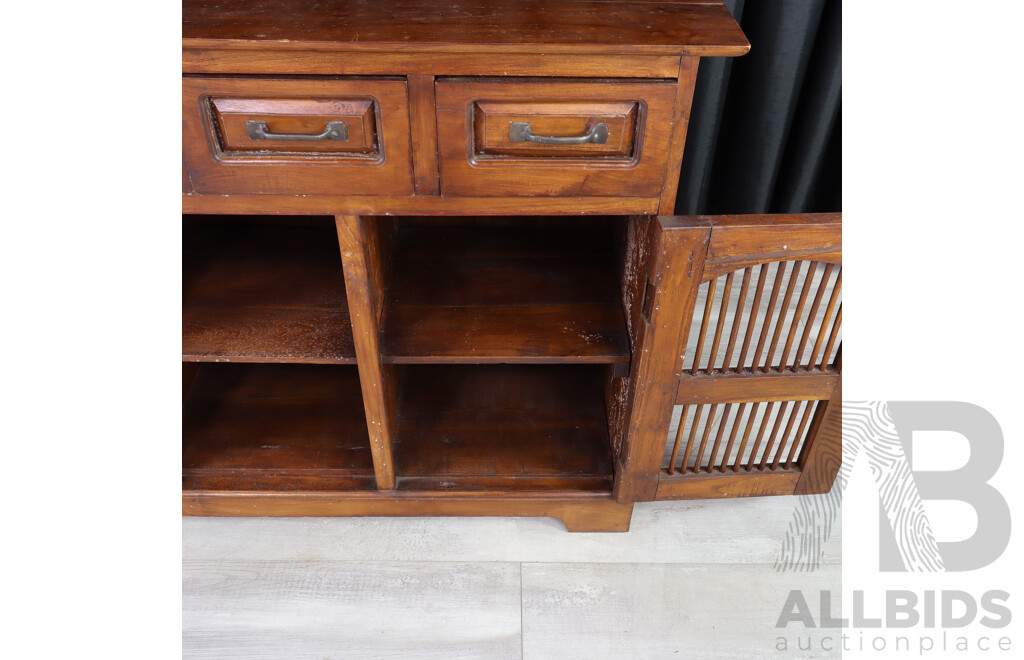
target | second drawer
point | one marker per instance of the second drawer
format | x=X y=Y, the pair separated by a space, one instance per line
x=516 y=137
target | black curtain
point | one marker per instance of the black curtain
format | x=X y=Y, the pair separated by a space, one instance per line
x=765 y=128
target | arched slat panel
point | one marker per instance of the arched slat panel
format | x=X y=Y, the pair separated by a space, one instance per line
x=784 y=310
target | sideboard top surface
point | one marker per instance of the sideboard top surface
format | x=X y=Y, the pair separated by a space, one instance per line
x=696 y=27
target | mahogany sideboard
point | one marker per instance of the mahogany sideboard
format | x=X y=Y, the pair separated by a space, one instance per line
x=430 y=268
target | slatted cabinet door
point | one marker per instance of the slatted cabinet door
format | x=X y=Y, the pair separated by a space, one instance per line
x=751 y=399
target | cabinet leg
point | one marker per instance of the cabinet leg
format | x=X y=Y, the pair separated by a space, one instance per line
x=607 y=516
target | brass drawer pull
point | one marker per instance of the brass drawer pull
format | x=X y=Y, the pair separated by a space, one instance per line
x=335 y=130
x=520 y=132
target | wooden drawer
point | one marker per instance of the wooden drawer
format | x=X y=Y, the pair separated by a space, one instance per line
x=297 y=137
x=516 y=137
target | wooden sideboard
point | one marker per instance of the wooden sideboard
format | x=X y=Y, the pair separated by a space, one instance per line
x=424 y=270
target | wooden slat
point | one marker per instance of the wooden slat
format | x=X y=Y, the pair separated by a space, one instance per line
x=794 y=274
x=747 y=387
x=708 y=424
x=812 y=269
x=692 y=437
x=713 y=459
x=746 y=435
x=825 y=325
x=799 y=437
x=720 y=324
x=760 y=437
x=766 y=327
x=736 y=319
x=784 y=440
x=732 y=439
x=705 y=320
x=698 y=487
x=762 y=277
x=675 y=445
x=774 y=437
x=822 y=285
x=832 y=338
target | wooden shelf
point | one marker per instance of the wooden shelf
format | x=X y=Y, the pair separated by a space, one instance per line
x=504 y=294
x=275 y=427
x=264 y=293
x=503 y=428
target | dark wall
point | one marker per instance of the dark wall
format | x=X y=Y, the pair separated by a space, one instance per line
x=765 y=128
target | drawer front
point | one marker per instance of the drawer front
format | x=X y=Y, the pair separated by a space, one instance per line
x=297 y=137
x=517 y=137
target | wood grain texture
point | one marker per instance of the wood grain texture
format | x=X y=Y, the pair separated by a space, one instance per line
x=749 y=387
x=275 y=428
x=673 y=269
x=613 y=611
x=680 y=123
x=307 y=116
x=329 y=609
x=423 y=116
x=297 y=204
x=212 y=169
x=700 y=28
x=704 y=486
x=503 y=428
x=492 y=123
x=462 y=174
x=741 y=241
x=361 y=256
x=479 y=294
x=263 y=293
x=579 y=511
x=225 y=57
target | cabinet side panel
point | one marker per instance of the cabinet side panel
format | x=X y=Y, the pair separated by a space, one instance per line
x=681 y=122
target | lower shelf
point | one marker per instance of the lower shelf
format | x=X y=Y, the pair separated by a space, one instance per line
x=487 y=431
x=275 y=427
x=503 y=429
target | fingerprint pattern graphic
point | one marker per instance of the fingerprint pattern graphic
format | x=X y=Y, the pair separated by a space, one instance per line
x=867 y=427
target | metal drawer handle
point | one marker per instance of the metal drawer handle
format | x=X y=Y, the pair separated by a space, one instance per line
x=520 y=132
x=335 y=130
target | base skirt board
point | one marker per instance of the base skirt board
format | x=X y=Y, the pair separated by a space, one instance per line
x=580 y=514
x=706 y=486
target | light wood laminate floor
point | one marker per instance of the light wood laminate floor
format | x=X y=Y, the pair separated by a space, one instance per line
x=690 y=580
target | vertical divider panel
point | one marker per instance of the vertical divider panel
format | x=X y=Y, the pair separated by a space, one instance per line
x=364 y=256
x=660 y=286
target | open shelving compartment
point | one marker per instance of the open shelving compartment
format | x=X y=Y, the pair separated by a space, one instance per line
x=503 y=334
x=402 y=366
x=271 y=399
